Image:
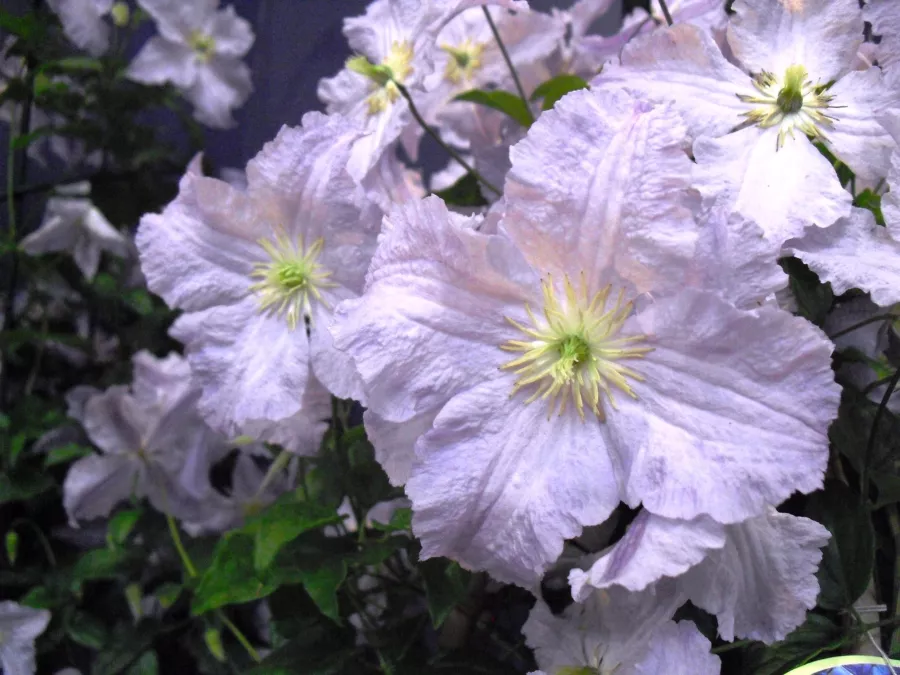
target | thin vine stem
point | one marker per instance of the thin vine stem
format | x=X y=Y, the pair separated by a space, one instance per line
x=870 y=445
x=509 y=63
x=861 y=324
x=665 y=10
x=179 y=546
x=245 y=643
x=431 y=132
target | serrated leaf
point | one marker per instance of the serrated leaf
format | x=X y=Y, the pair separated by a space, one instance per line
x=446 y=585
x=281 y=523
x=504 y=101
x=555 y=88
x=231 y=578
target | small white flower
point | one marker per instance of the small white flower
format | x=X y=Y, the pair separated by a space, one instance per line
x=621 y=633
x=265 y=266
x=72 y=223
x=84 y=22
x=19 y=626
x=199 y=49
x=795 y=83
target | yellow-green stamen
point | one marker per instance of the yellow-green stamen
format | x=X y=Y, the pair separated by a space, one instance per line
x=395 y=67
x=291 y=278
x=464 y=61
x=203 y=45
x=574 y=352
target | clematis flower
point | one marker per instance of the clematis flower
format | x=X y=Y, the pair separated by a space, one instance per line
x=19 y=626
x=265 y=265
x=72 y=223
x=618 y=632
x=145 y=433
x=795 y=87
x=394 y=41
x=84 y=21
x=885 y=20
x=199 y=49
x=758 y=577
x=545 y=388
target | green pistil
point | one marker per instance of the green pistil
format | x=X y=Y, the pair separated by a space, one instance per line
x=573 y=350
x=790 y=98
x=204 y=45
x=379 y=74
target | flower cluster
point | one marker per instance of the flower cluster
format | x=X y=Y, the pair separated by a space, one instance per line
x=601 y=342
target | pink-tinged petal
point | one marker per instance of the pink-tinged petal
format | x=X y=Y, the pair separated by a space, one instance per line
x=855 y=252
x=243 y=383
x=612 y=199
x=733 y=411
x=683 y=65
x=821 y=35
x=857 y=137
x=763 y=581
x=498 y=486
x=783 y=190
x=433 y=316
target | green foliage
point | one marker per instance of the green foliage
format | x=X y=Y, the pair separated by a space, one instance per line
x=464 y=192
x=555 y=88
x=504 y=101
x=814 y=299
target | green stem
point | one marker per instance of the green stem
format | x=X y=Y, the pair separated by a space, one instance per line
x=245 y=643
x=870 y=445
x=431 y=132
x=509 y=63
x=275 y=468
x=866 y=322
x=665 y=10
x=179 y=546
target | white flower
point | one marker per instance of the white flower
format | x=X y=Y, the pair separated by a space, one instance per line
x=394 y=41
x=84 y=22
x=72 y=223
x=147 y=434
x=795 y=81
x=618 y=632
x=199 y=49
x=758 y=577
x=554 y=390
x=885 y=20
x=19 y=626
x=258 y=271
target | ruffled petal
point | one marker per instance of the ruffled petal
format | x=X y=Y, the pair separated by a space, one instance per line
x=161 y=61
x=855 y=252
x=220 y=86
x=613 y=196
x=732 y=413
x=677 y=649
x=782 y=190
x=683 y=65
x=890 y=203
x=885 y=20
x=233 y=36
x=761 y=583
x=498 y=486
x=395 y=442
x=821 y=35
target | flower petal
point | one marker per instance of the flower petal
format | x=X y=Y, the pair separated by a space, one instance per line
x=733 y=411
x=395 y=442
x=498 y=486
x=161 y=61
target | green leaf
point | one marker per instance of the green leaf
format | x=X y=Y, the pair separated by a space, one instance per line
x=86 y=630
x=464 y=192
x=401 y=521
x=814 y=299
x=281 y=523
x=101 y=563
x=504 y=101
x=26 y=26
x=555 y=88
x=167 y=594
x=868 y=199
x=805 y=643
x=446 y=585
x=4 y=421
x=322 y=585
x=213 y=639
x=65 y=454
x=850 y=555
x=22 y=142
x=126 y=650
x=318 y=650
x=12 y=547
x=23 y=485
x=74 y=64
x=147 y=664
x=232 y=577
x=121 y=525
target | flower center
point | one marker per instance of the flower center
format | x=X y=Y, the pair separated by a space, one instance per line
x=290 y=278
x=395 y=67
x=203 y=45
x=574 y=350
x=790 y=102
x=464 y=61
